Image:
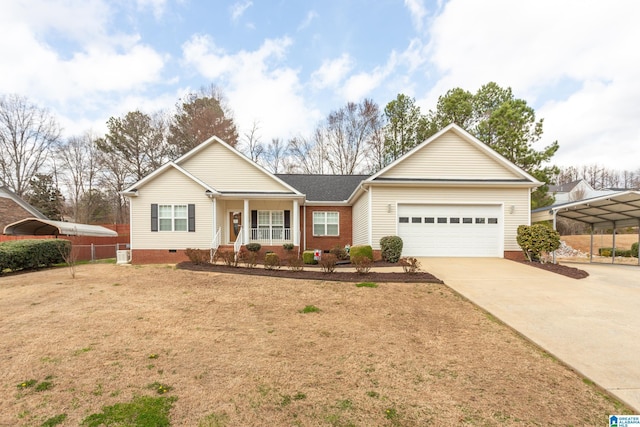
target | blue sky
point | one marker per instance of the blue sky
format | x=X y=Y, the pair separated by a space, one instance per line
x=286 y=64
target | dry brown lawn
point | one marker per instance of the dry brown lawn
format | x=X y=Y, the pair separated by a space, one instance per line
x=237 y=351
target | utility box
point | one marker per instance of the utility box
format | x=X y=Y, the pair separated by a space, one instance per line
x=123 y=257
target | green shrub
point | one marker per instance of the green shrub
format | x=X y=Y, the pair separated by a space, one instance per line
x=361 y=250
x=328 y=263
x=271 y=261
x=391 y=248
x=361 y=263
x=198 y=256
x=253 y=247
x=287 y=247
x=536 y=240
x=308 y=258
x=32 y=253
x=339 y=252
x=624 y=253
x=634 y=250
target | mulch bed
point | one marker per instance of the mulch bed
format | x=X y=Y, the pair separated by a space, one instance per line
x=314 y=273
x=574 y=273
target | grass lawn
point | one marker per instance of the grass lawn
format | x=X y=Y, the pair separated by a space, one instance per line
x=210 y=349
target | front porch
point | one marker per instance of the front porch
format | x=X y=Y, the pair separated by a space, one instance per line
x=270 y=221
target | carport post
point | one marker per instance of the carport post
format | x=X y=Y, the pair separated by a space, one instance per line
x=639 y=241
x=591 y=248
x=554 y=229
x=613 y=250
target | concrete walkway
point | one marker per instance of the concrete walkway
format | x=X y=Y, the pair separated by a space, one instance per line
x=592 y=324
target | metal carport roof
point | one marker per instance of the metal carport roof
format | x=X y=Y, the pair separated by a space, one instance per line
x=620 y=209
x=46 y=227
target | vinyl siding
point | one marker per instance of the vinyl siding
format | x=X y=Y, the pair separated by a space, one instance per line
x=172 y=187
x=360 y=218
x=225 y=170
x=386 y=199
x=450 y=157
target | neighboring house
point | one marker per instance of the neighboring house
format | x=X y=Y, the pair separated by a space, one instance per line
x=450 y=196
x=574 y=191
x=13 y=208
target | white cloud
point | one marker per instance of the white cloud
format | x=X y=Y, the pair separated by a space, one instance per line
x=238 y=9
x=418 y=12
x=157 y=6
x=332 y=72
x=311 y=15
x=258 y=87
x=536 y=48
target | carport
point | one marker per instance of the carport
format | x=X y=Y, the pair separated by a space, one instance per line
x=621 y=209
x=46 y=227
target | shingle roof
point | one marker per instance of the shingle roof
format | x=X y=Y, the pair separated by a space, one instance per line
x=564 y=188
x=324 y=188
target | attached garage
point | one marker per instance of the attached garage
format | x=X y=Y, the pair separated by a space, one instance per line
x=451 y=230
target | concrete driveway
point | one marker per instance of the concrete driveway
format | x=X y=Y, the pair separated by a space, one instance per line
x=592 y=324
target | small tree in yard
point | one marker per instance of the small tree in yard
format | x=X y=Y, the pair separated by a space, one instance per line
x=536 y=240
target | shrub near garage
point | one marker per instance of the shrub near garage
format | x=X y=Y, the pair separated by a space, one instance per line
x=536 y=240
x=391 y=248
x=361 y=250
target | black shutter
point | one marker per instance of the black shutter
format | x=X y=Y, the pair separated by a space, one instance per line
x=191 y=208
x=154 y=217
x=287 y=219
x=254 y=219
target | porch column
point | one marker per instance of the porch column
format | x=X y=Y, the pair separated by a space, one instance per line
x=296 y=223
x=215 y=217
x=246 y=227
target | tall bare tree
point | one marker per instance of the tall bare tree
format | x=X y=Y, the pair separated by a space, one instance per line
x=308 y=154
x=275 y=158
x=27 y=134
x=78 y=161
x=252 y=145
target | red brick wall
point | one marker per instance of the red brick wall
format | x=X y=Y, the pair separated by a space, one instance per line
x=157 y=256
x=514 y=255
x=11 y=212
x=328 y=242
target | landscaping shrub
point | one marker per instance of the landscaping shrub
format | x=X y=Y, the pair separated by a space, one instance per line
x=307 y=258
x=361 y=250
x=410 y=265
x=228 y=257
x=287 y=247
x=361 y=263
x=328 y=263
x=295 y=263
x=253 y=247
x=624 y=253
x=271 y=261
x=391 y=248
x=634 y=250
x=31 y=253
x=339 y=252
x=537 y=239
x=249 y=259
x=198 y=256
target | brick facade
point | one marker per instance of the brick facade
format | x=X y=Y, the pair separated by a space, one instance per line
x=11 y=212
x=327 y=242
x=514 y=255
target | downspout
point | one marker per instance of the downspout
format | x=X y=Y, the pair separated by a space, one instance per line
x=304 y=227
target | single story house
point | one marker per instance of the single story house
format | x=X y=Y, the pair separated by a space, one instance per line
x=452 y=195
x=13 y=208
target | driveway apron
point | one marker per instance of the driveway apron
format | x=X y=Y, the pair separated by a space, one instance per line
x=591 y=324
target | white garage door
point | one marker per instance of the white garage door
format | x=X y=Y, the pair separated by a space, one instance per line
x=451 y=230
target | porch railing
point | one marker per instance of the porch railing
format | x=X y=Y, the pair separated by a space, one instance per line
x=238 y=243
x=215 y=244
x=270 y=235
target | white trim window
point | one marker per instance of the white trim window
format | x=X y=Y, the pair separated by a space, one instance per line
x=271 y=225
x=326 y=223
x=173 y=218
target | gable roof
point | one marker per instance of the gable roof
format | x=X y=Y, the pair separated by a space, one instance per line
x=324 y=188
x=176 y=164
x=131 y=191
x=567 y=186
x=524 y=177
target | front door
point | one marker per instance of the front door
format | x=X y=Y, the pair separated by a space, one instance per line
x=235 y=223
